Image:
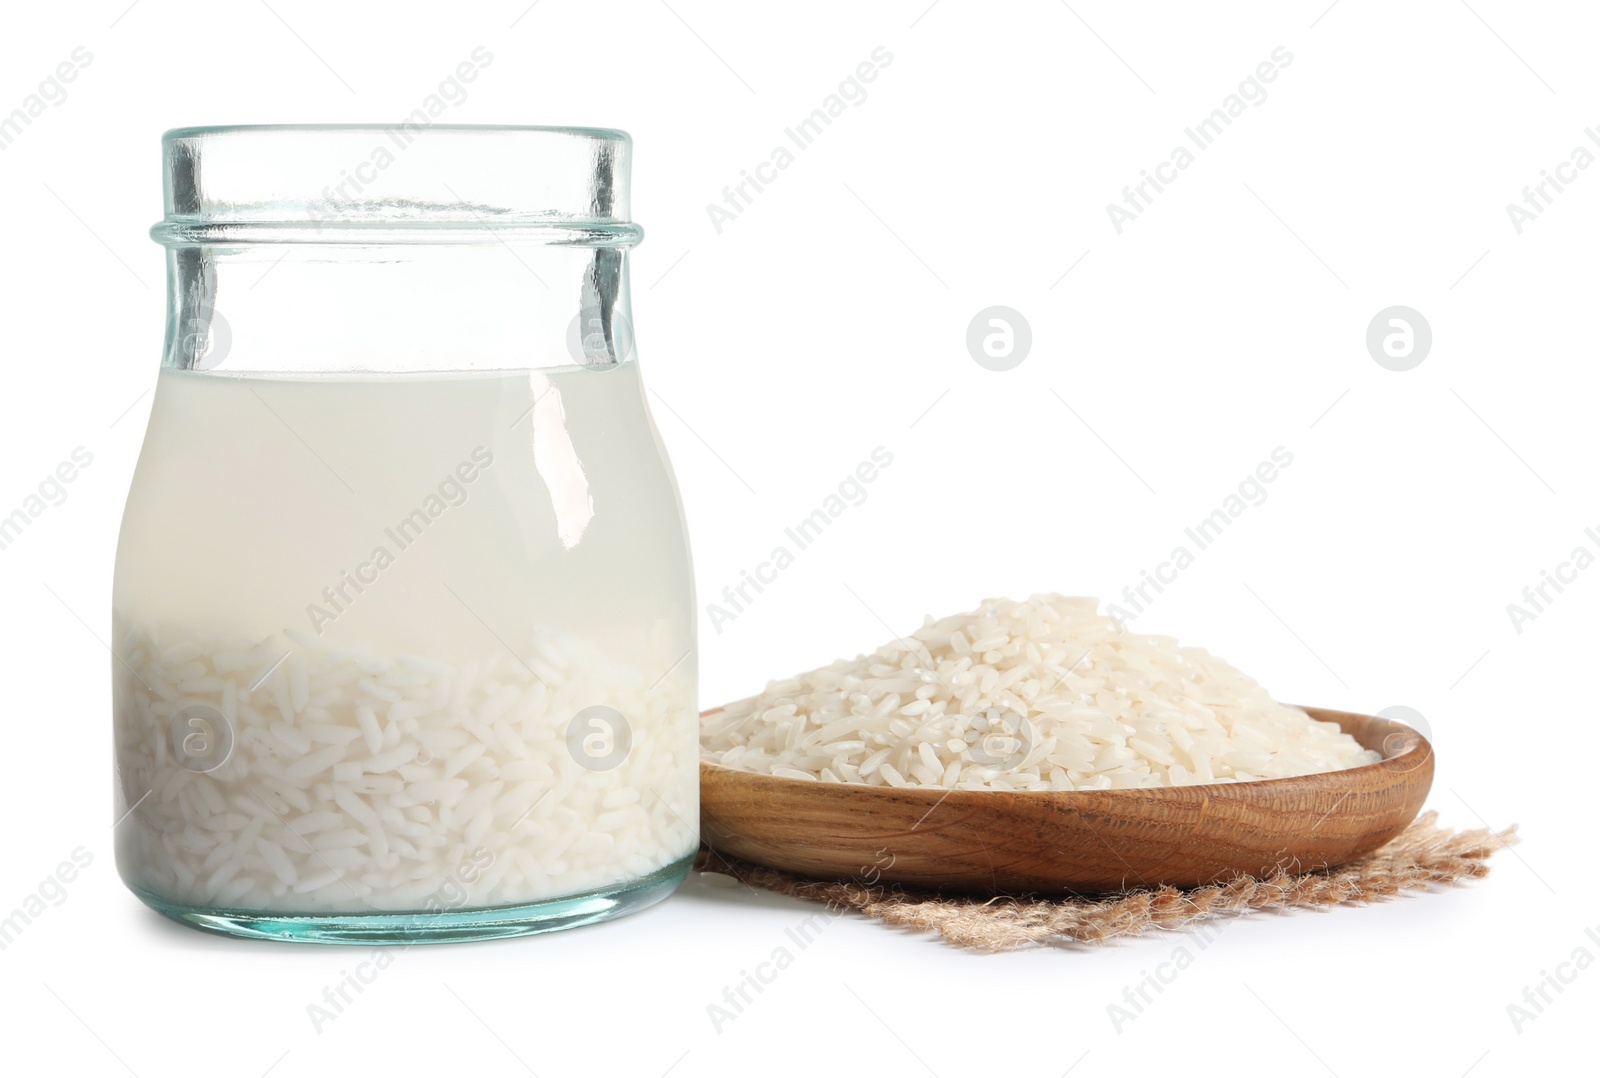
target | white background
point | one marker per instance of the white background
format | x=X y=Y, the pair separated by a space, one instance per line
x=830 y=318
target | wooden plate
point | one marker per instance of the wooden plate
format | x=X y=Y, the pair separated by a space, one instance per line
x=1084 y=841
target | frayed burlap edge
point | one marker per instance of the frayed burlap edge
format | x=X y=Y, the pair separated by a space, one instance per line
x=1422 y=855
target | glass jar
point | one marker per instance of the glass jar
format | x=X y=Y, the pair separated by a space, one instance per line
x=404 y=623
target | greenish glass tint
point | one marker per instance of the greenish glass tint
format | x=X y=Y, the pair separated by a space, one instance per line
x=454 y=926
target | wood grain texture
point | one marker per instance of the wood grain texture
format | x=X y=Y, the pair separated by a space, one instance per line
x=1082 y=841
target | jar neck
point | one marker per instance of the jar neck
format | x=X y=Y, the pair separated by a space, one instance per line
x=318 y=308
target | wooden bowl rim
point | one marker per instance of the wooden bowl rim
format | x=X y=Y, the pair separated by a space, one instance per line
x=1418 y=753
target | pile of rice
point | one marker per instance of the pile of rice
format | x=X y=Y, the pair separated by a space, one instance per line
x=1043 y=694
x=362 y=783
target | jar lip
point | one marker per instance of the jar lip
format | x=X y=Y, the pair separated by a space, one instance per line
x=452 y=233
x=413 y=181
x=610 y=134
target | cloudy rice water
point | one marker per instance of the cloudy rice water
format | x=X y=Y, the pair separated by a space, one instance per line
x=1041 y=694
x=401 y=643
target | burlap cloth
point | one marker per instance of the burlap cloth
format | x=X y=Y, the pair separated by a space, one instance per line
x=1423 y=855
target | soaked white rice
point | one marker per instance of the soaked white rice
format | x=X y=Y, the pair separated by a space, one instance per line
x=373 y=783
x=1043 y=694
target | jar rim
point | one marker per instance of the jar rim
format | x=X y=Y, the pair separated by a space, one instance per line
x=200 y=131
x=408 y=182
